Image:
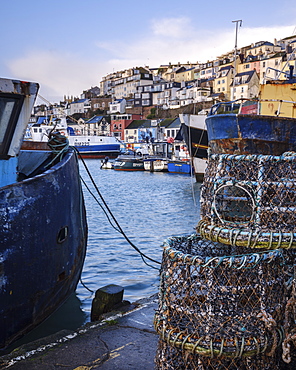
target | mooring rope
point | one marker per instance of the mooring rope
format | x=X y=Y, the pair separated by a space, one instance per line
x=108 y=213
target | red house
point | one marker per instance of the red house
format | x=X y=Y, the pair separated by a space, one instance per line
x=119 y=122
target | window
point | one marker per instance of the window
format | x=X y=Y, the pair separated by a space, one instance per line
x=10 y=105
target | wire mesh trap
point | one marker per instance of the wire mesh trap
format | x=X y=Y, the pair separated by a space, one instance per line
x=250 y=200
x=221 y=304
x=172 y=358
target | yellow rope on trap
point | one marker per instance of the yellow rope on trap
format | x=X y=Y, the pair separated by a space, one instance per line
x=244 y=237
x=237 y=347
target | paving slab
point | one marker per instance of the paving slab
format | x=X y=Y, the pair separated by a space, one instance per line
x=123 y=340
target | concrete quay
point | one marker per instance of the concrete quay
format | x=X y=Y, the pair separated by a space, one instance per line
x=124 y=339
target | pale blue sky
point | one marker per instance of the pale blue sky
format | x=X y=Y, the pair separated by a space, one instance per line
x=68 y=45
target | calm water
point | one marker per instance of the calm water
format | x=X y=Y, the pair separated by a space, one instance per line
x=149 y=208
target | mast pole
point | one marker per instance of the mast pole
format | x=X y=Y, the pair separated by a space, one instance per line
x=237 y=23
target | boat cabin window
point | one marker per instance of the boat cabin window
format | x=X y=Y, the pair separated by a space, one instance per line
x=10 y=107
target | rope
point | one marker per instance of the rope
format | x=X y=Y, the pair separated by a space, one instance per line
x=119 y=229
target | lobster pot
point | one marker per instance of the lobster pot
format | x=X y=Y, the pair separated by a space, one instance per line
x=172 y=358
x=250 y=200
x=217 y=304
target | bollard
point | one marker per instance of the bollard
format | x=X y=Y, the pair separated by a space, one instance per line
x=105 y=299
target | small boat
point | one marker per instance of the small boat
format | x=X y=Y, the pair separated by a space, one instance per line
x=128 y=162
x=106 y=164
x=178 y=166
x=43 y=227
x=89 y=146
x=194 y=132
x=156 y=164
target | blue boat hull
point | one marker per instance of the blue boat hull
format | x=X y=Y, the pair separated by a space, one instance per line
x=99 y=151
x=43 y=237
x=251 y=134
x=179 y=167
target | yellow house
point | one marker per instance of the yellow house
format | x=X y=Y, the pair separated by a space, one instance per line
x=223 y=80
x=184 y=74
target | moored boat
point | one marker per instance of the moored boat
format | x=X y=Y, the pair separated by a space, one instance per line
x=89 y=146
x=43 y=233
x=238 y=127
x=177 y=166
x=156 y=164
x=194 y=132
x=128 y=162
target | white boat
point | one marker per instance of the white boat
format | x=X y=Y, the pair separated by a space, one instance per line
x=156 y=164
x=89 y=146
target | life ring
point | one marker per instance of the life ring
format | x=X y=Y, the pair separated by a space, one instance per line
x=62 y=133
x=78 y=132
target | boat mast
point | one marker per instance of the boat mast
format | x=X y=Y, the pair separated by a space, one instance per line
x=237 y=23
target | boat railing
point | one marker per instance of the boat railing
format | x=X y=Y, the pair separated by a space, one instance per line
x=248 y=106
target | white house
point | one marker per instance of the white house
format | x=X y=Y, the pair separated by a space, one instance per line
x=117 y=106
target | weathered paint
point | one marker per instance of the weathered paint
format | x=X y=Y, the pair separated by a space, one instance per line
x=43 y=234
x=282 y=90
x=247 y=134
x=8 y=173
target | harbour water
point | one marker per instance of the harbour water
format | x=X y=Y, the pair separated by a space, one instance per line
x=149 y=207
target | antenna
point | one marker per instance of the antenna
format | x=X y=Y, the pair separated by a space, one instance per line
x=237 y=23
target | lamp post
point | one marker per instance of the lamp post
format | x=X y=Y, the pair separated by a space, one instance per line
x=237 y=23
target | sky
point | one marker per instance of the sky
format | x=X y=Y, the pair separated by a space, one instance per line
x=67 y=46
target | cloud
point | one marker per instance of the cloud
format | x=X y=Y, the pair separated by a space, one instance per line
x=58 y=74
x=172 y=27
x=175 y=40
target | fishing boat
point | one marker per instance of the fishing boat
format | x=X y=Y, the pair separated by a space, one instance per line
x=128 y=162
x=156 y=164
x=89 y=146
x=194 y=132
x=239 y=127
x=43 y=227
x=181 y=167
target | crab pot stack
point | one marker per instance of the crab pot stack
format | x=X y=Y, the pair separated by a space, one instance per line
x=250 y=200
x=227 y=294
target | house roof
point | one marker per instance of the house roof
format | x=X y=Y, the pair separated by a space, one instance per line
x=79 y=101
x=95 y=119
x=166 y=122
x=249 y=75
x=225 y=68
x=176 y=123
x=139 y=123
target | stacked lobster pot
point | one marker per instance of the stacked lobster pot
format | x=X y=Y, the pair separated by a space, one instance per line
x=227 y=297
